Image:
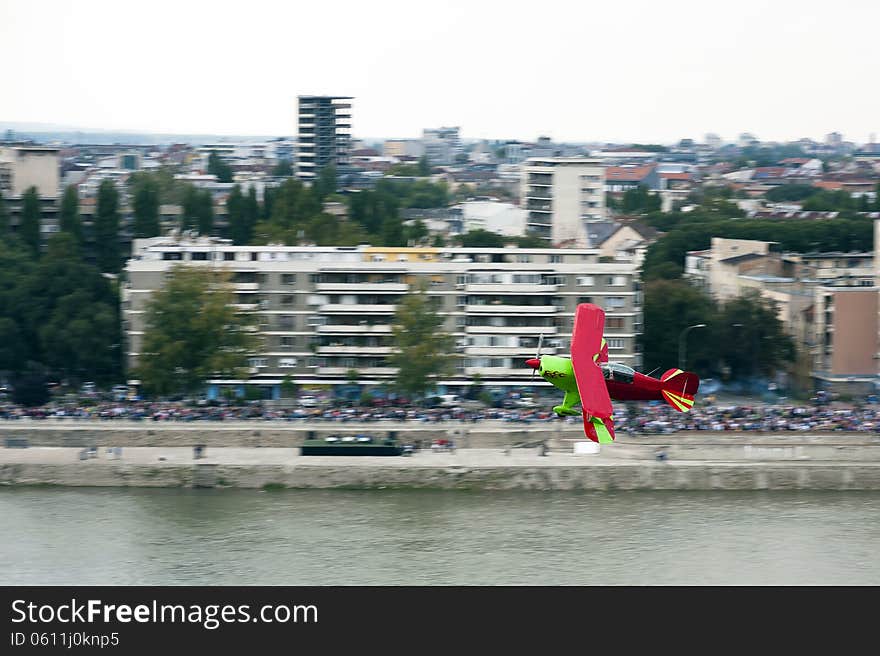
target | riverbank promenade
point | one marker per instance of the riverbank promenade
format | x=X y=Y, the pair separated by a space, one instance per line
x=493 y=457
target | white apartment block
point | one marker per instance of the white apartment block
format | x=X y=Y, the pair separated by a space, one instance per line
x=325 y=311
x=562 y=196
x=22 y=167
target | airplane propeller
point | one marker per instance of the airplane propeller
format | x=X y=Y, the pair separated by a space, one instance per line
x=538 y=354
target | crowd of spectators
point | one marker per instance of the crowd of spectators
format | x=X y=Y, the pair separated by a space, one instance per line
x=641 y=418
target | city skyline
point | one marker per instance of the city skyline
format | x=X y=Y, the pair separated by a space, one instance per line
x=641 y=73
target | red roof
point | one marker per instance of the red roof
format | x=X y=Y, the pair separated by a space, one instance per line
x=830 y=185
x=795 y=160
x=628 y=173
x=675 y=176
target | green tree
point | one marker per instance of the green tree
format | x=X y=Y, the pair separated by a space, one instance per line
x=30 y=220
x=416 y=232
x=531 y=241
x=15 y=337
x=424 y=166
x=30 y=389
x=325 y=183
x=482 y=239
x=146 y=208
x=639 y=200
x=251 y=212
x=193 y=332
x=392 y=232
x=108 y=254
x=749 y=337
x=288 y=387
x=78 y=319
x=189 y=217
x=216 y=166
x=4 y=217
x=424 y=351
x=670 y=306
x=70 y=220
x=790 y=192
x=283 y=169
x=238 y=229
x=205 y=212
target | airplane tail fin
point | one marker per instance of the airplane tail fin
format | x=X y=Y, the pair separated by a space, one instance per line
x=679 y=388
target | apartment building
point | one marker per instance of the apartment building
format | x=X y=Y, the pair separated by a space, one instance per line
x=563 y=195
x=827 y=302
x=325 y=311
x=324 y=135
x=22 y=167
x=442 y=145
x=401 y=148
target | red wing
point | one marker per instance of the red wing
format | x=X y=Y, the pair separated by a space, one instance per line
x=586 y=341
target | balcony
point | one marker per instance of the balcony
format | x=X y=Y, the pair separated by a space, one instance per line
x=355 y=329
x=511 y=309
x=247 y=286
x=355 y=350
x=511 y=288
x=363 y=371
x=539 y=194
x=539 y=207
x=357 y=309
x=525 y=352
x=389 y=287
x=511 y=330
x=501 y=372
x=246 y=307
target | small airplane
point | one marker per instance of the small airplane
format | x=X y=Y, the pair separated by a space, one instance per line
x=588 y=378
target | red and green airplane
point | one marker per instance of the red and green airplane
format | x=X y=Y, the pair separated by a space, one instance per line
x=589 y=379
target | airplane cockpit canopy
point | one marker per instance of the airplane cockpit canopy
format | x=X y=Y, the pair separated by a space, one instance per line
x=618 y=372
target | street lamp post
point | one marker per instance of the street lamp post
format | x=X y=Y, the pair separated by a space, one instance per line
x=682 y=343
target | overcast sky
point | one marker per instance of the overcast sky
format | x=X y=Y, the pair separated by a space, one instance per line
x=575 y=70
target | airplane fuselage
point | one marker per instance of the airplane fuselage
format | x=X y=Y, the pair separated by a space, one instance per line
x=559 y=372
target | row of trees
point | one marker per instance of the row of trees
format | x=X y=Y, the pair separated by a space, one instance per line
x=59 y=317
x=743 y=337
x=102 y=246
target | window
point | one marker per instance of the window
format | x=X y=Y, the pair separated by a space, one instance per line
x=460 y=321
x=286 y=363
x=254 y=256
x=287 y=299
x=523 y=259
x=615 y=343
x=288 y=342
x=172 y=256
x=461 y=301
x=257 y=363
x=555 y=259
x=619 y=281
x=199 y=255
x=585 y=299
x=288 y=278
x=229 y=257
x=615 y=302
x=285 y=322
x=586 y=281
x=614 y=322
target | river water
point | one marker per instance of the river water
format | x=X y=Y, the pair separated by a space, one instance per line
x=69 y=536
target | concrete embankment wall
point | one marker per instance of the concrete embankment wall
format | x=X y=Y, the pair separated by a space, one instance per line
x=260 y=435
x=612 y=476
